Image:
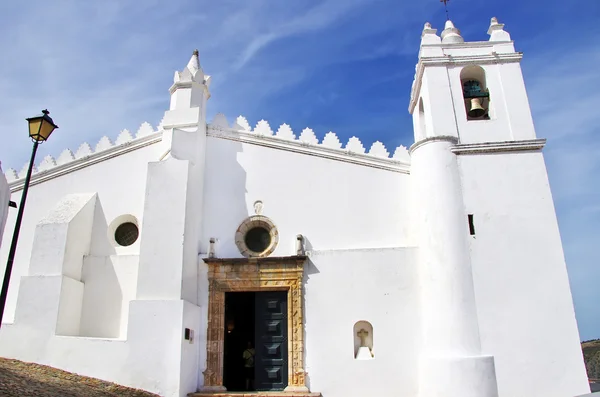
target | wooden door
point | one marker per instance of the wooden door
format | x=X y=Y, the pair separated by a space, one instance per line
x=271 y=340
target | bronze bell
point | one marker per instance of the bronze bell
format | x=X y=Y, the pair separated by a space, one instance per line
x=476 y=110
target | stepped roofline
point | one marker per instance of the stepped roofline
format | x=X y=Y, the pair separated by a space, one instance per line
x=306 y=142
x=284 y=138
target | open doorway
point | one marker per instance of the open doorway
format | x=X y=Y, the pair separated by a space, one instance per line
x=256 y=341
x=239 y=330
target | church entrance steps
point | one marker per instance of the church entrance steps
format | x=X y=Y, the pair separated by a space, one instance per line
x=254 y=394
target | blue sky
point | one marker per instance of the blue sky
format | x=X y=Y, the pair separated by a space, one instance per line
x=343 y=65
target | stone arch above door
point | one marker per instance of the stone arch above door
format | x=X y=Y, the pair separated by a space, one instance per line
x=255 y=274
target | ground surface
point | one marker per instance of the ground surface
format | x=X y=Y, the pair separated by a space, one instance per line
x=19 y=379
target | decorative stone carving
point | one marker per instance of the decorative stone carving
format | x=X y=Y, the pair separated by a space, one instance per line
x=258 y=207
x=260 y=274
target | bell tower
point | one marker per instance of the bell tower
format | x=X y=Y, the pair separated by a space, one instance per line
x=482 y=81
x=477 y=166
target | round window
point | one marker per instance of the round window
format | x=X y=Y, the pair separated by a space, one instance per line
x=126 y=234
x=257 y=239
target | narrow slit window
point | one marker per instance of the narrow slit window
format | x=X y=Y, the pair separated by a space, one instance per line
x=471 y=225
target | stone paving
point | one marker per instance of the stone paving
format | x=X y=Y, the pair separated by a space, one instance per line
x=19 y=379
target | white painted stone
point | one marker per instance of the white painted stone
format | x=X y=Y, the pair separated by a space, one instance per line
x=401 y=154
x=83 y=151
x=103 y=144
x=331 y=140
x=11 y=175
x=308 y=136
x=47 y=163
x=285 y=132
x=379 y=150
x=145 y=129
x=124 y=137
x=388 y=237
x=23 y=172
x=354 y=145
x=65 y=157
x=263 y=128
x=241 y=124
x=220 y=121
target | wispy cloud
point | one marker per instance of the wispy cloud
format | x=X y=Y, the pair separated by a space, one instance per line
x=564 y=106
x=335 y=65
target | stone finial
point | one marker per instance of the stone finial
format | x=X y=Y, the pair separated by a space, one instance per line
x=429 y=35
x=194 y=63
x=497 y=32
x=451 y=34
x=258 y=207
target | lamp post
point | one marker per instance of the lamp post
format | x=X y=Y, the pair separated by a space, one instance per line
x=40 y=128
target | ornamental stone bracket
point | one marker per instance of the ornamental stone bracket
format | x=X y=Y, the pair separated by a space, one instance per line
x=255 y=274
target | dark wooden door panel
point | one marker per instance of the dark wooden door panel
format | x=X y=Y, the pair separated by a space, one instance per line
x=271 y=343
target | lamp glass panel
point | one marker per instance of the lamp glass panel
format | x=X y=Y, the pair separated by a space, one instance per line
x=34 y=127
x=46 y=130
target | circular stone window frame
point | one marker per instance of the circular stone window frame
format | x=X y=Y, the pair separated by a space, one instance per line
x=118 y=221
x=251 y=223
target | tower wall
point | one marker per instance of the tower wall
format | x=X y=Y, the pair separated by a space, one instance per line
x=487 y=224
x=525 y=310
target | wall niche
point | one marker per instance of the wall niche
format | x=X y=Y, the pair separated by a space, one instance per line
x=363 y=341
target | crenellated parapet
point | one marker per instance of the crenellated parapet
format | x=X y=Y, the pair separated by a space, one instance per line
x=87 y=154
x=306 y=141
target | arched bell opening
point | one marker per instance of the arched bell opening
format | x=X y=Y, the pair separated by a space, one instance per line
x=475 y=93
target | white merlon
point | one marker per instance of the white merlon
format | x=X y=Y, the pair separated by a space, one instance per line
x=308 y=138
x=124 y=137
x=65 y=157
x=84 y=151
x=103 y=144
x=285 y=132
x=263 y=128
x=331 y=141
x=241 y=124
x=47 y=163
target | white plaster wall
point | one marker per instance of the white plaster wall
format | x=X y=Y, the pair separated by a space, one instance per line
x=511 y=116
x=4 y=199
x=110 y=284
x=525 y=309
x=363 y=207
x=379 y=286
x=120 y=184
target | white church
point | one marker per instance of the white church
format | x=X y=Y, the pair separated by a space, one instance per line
x=156 y=260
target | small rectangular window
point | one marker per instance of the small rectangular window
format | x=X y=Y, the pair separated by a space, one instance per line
x=471 y=225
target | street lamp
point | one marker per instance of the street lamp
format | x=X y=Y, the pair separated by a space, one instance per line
x=40 y=128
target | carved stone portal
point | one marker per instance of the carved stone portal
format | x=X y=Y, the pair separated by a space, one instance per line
x=255 y=274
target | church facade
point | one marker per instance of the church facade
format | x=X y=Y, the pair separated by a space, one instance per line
x=158 y=260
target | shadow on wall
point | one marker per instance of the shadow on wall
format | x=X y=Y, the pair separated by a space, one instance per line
x=224 y=207
x=101 y=314
x=309 y=271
